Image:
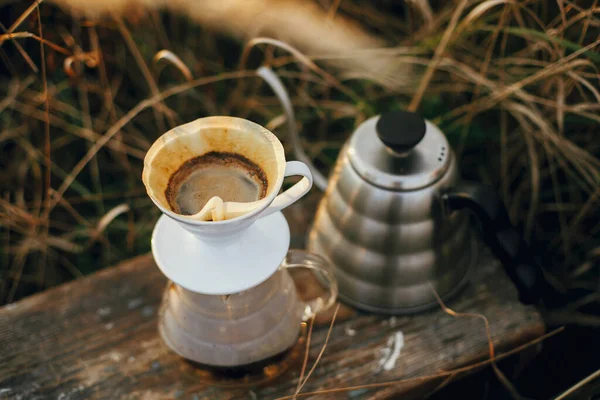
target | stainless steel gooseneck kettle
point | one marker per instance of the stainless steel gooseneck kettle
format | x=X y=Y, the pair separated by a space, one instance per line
x=394 y=218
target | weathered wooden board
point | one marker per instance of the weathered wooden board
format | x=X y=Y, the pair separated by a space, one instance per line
x=96 y=338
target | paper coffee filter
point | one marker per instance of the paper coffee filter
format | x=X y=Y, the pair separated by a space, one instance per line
x=221 y=134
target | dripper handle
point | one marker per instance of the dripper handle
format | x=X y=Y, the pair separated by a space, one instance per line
x=294 y=193
x=505 y=241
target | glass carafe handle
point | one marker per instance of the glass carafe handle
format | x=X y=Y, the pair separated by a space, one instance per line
x=323 y=273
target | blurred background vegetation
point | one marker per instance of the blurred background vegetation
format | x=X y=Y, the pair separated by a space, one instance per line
x=86 y=87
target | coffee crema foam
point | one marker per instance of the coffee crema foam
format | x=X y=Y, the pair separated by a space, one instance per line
x=231 y=176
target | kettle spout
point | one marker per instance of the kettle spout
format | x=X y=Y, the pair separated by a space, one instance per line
x=271 y=78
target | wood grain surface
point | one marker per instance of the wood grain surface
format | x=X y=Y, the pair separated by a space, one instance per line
x=96 y=338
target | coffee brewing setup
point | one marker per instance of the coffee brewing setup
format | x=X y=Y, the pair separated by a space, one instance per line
x=231 y=306
x=392 y=228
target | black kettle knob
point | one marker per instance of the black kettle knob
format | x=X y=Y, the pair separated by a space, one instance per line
x=400 y=130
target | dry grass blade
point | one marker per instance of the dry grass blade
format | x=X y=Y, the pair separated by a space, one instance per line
x=19 y=35
x=147 y=76
x=108 y=218
x=303 y=23
x=439 y=51
x=13 y=91
x=484 y=68
x=589 y=204
x=306 y=353
x=337 y=308
x=578 y=385
x=442 y=385
x=73 y=212
x=333 y=9
x=23 y=16
x=583 y=301
x=426 y=378
x=585 y=82
x=424 y=8
x=91 y=59
x=22 y=52
x=479 y=10
x=534 y=174
x=562 y=65
x=54 y=241
x=509 y=386
x=299 y=56
x=33 y=112
x=172 y=58
x=47 y=156
x=17 y=271
x=135 y=111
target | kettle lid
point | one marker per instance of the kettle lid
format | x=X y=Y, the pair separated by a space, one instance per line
x=399 y=150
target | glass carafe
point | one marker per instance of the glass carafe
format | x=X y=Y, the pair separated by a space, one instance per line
x=250 y=336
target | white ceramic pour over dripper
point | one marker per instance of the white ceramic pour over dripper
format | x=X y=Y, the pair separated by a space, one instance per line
x=223 y=134
x=248 y=244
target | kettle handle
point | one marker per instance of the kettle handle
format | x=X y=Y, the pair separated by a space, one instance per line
x=277 y=86
x=505 y=241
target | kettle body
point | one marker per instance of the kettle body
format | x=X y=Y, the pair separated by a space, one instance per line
x=389 y=246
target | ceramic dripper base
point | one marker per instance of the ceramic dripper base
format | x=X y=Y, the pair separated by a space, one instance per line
x=221 y=269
